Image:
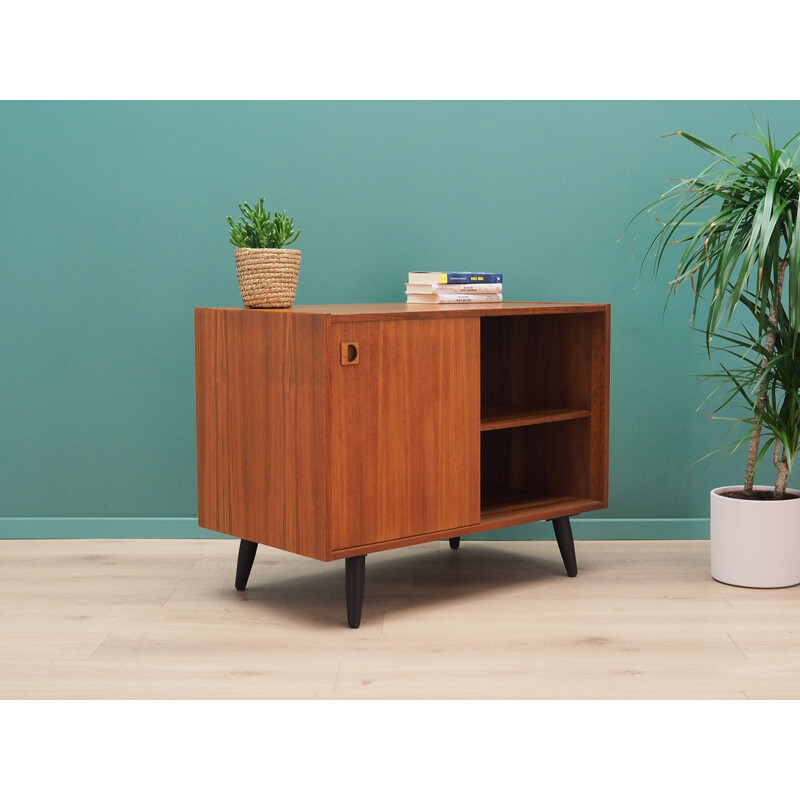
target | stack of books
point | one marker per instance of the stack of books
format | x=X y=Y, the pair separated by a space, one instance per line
x=454 y=287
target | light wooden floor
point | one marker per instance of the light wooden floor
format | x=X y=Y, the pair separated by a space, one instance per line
x=496 y=620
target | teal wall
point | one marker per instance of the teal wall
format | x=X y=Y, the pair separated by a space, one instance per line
x=112 y=229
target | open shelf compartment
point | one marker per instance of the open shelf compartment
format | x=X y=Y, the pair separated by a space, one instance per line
x=540 y=414
x=534 y=465
x=535 y=366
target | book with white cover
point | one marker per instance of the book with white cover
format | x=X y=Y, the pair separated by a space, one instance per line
x=454 y=298
x=454 y=288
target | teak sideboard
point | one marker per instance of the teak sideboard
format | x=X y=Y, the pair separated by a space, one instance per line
x=338 y=431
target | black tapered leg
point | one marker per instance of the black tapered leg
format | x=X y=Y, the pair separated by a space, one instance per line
x=247 y=554
x=455 y=541
x=354 y=588
x=566 y=544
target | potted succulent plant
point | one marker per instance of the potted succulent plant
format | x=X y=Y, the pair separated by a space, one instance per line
x=735 y=226
x=267 y=273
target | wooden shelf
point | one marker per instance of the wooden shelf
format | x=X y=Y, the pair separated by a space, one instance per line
x=495 y=418
x=518 y=508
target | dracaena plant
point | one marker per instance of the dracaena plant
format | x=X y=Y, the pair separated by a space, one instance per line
x=761 y=375
x=735 y=228
x=259 y=228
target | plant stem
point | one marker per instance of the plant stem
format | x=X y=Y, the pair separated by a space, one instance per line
x=783 y=472
x=769 y=347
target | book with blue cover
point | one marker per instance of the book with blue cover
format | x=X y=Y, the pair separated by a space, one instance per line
x=455 y=277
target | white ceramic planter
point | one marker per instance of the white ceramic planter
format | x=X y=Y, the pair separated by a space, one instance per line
x=755 y=543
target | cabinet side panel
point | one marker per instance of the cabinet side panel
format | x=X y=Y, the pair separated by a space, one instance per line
x=212 y=448
x=260 y=427
x=405 y=429
x=600 y=391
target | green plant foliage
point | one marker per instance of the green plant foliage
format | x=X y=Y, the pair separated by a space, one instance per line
x=260 y=229
x=749 y=372
x=735 y=226
x=733 y=223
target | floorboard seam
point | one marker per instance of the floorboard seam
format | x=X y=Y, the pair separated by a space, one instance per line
x=737 y=645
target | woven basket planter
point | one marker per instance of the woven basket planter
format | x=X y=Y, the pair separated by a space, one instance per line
x=267 y=277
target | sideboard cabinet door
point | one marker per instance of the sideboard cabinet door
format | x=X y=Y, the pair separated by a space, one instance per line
x=404 y=428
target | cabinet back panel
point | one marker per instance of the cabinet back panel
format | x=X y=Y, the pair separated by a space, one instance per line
x=538 y=362
x=405 y=428
x=537 y=461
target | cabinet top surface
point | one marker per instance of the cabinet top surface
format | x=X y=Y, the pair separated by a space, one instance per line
x=382 y=310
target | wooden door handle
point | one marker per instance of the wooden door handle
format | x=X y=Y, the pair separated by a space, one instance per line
x=349 y=353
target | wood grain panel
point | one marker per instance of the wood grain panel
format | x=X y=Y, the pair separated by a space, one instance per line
x=260 y=381
x=600 y=393
x=364 y=312
x=405 y=423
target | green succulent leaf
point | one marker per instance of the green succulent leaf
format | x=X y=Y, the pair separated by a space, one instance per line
x=258 y=228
